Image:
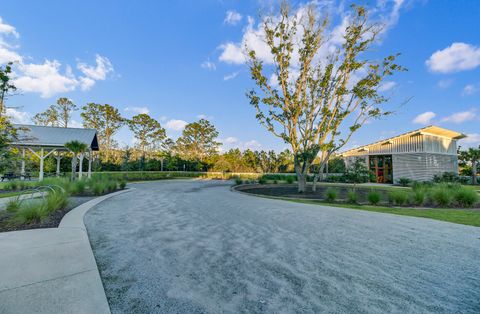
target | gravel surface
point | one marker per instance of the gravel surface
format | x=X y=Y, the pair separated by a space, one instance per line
x=196 y=247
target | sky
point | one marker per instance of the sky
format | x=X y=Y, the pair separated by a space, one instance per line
x=182 y=60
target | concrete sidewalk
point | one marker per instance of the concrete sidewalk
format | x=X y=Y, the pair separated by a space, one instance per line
x=52 y=270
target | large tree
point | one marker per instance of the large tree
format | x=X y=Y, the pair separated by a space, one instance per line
x=48 y=117
x=106 y=120
x=6 y=86
x=64 y=108
x=198 y=141
x=319 y=102
x=148 y=132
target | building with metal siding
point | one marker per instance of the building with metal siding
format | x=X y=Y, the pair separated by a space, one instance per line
x=417 y=155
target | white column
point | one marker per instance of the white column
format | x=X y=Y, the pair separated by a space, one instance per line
x=80 y=167
x=58 y=158
x=90 y=164
x=23 y=163
x=40 y=175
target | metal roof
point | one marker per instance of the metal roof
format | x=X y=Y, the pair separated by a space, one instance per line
x=431 y=130
x=54 y=137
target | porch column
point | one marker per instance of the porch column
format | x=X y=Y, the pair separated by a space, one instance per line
x=80 y=168
x=58 y=158
x=23 y=163
x=40 y=175
x=90 y=164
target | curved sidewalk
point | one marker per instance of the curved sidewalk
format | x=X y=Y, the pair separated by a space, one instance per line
x=52 y=270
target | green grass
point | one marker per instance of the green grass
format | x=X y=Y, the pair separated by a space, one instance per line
x=8 y=194
x=458 y=216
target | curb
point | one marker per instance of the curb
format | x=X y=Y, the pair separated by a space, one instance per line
x=74 y=220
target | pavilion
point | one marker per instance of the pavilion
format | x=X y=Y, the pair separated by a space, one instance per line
x=42 y=141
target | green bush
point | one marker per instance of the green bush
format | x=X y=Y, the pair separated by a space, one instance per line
x=13 y=206
x=78 y=187
x=374 y=197
x=398 y=197
x=99 y=188
x=30 y=212
x=331 y=195
x=466 y=197
x=238 y=181
x=55 y=201
x=418 y=196
x=290 y=179
x=352 y=197
x=441 y=195
x=262 y=180
x=404 y=181
x=122 y=184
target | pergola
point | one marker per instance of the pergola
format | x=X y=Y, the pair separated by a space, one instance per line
x=42 y=141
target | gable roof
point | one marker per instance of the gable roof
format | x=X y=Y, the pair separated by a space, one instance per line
x=54 y=137
x=429 y=130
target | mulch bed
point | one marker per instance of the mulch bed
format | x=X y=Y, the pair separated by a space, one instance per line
x=291 y=190
x=51 y=221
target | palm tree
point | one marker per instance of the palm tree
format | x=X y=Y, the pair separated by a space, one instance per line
x=76 y=148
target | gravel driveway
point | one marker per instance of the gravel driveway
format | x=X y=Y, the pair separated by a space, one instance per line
x=196 y=247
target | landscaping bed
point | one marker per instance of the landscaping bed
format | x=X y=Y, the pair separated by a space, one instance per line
x=51 y=221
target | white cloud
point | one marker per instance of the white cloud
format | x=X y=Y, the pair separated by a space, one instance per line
x=253 y=145
x=230 y=140
x=17 y=116
x=75 y=124
x=470 y=89
x=472 y=140
x=204 y=116
x=457 y=57
x=208 y=65
x=175 y=124
x=232 y=17
x=424 y=118
x=386 y=86
x=444 y=83
x=45 y=79
x=460 y=117
x=48 y=77
x=232 y=53
x=230 y=76
x=137 y=110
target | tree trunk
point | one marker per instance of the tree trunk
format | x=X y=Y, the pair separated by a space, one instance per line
x=301 y=176
x=323 y=164
x=474 y=172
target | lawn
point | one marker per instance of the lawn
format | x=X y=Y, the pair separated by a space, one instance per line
x=459 y=216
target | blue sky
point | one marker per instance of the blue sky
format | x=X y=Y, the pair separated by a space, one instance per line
x=179 y=60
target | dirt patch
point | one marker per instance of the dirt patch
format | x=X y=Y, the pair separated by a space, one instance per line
x=52 y=221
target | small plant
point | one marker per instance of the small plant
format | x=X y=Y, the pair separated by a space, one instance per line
x=398 y=198
x=275 y=181
x=99 y=188
x=122 y=184
x=78 y=187
x=418 y=196
x=238 y=181
x=13 y=206
x=290 y=179
x=55 y=201
x=30 y=212
x=352 y=197
x=466 y=197
x=404 y=181
x=374 y=197
x=331 y=195
x=262 y=180
x=441 y=195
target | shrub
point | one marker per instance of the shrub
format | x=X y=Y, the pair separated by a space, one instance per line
x=404 y=181
x=55 y=201
x=275 y=182
x=352 y=197
x=441 y=195
x=374 y=197
x=13 y=205
x=111 y=186
x=262 y=180
x=466 y=197
x=418 y=196
x=290 y=179
x=398 y=198
x=30 y=212
x=331 y=195
x=78 y=187
x=238 y=181
x=98 y=188
x=123 y=184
